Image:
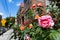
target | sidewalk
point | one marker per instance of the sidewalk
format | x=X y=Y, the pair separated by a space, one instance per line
x=7 y=35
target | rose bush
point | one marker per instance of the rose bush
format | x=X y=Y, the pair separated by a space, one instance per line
x=38 y=26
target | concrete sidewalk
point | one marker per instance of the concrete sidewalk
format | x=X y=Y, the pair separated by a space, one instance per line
x=7 y=35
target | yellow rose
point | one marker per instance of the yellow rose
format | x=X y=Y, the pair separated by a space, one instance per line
x=30 y=25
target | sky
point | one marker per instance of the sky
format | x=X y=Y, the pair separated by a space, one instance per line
x=9 y=7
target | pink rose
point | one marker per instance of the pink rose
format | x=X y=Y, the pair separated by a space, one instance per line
x=33 y=6
x=40 y=4
x=27 y=37
x=46 y=21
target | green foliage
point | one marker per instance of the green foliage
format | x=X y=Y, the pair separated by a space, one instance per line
x=54 y=36
x=30 y=14
x=8 y=22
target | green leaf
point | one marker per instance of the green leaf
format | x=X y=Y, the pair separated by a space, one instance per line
x=54 y=36
x=38 y=30
x=58 y=30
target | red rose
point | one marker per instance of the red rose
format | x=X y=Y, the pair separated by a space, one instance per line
x=26 y=22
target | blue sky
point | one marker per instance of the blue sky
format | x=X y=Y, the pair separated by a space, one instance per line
x=9 y=7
